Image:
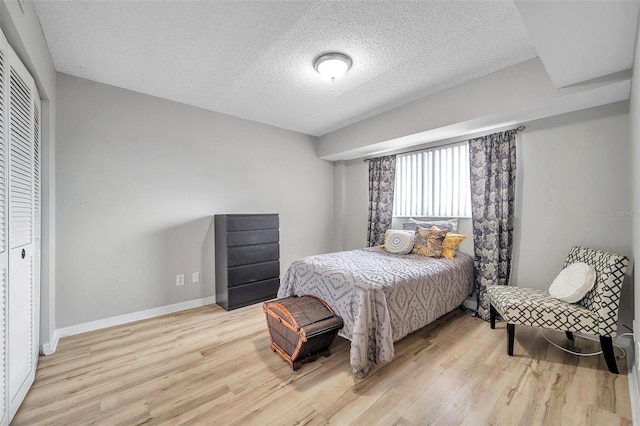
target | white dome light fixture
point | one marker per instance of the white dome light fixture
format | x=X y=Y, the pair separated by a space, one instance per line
x=332 y=65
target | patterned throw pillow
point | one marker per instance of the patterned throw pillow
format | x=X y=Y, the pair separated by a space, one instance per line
x=429 y=241
x=451 y=243
x=446 y=225
x=399 y=242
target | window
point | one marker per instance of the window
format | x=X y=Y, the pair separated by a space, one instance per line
x=434 y=182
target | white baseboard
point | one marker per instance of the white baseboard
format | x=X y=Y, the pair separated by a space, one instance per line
x=634 y=389
x=48 y=349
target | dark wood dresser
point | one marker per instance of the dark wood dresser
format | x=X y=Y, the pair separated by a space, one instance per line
x=247 y=259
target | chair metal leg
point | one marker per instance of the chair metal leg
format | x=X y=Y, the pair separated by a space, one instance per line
x=511 y=332
x=609 y=355
x=492 y=316
x=569 y=335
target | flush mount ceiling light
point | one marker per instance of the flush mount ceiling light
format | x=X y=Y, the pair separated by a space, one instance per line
x=332 y=65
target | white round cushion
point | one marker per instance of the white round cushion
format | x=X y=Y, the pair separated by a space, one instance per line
x=399 y=242
x=573 y=282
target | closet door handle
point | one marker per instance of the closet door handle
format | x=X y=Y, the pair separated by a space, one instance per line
x=24 y=253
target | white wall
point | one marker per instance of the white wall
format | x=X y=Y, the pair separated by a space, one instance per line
x=339 y=203
x=357 y=204
x=634 y=120
x=523 y=92
x=139 y=179
x=573 y=189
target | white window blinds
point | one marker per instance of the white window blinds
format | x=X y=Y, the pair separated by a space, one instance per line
x=434 y=182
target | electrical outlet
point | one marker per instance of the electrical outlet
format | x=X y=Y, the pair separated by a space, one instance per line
x=195 y=278
x=180 y=279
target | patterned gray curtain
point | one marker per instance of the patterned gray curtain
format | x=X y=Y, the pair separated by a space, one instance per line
x=382 y=179
x=493 y=189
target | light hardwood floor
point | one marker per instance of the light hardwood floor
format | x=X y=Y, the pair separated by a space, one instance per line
x=208 y=366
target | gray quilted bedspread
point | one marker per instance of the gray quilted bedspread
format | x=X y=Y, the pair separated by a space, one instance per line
x=381 y=297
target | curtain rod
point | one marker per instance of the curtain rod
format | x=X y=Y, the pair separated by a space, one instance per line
x=365 y=159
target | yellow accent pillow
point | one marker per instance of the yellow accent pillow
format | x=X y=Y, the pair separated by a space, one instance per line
x=451 y=243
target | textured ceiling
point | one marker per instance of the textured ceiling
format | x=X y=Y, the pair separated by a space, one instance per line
x=253 y=59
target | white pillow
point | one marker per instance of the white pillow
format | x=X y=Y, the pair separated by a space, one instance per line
x=573 y=282
x=399 y=242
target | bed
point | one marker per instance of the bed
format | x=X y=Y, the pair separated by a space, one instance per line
x=382 y=297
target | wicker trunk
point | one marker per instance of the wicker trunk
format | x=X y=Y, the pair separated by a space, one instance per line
x=301 y=328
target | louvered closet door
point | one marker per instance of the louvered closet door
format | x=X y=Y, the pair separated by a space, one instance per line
x=37 y=218
x=22 y=295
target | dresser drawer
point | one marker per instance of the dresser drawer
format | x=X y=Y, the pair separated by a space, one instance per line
x=247 y=252
x=243 y=255
x=250 y=273
x=248 y=294
x=248 y=222
x=256 y=236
